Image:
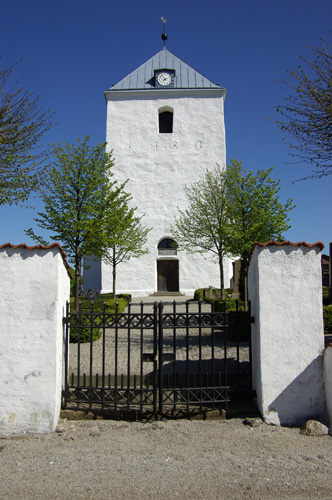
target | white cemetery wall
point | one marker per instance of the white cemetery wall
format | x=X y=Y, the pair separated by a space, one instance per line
x=285 y=289
x=328 y=381
x=34 y=289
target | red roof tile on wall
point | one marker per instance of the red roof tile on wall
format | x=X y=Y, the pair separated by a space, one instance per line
x=42 y=247
x=285 y=243
x=272 y=243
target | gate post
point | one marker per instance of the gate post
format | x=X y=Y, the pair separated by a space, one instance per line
x=285 y=289
x=34 y=289
x=160 y=355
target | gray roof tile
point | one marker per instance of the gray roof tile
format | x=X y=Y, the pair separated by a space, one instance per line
x=186 y=77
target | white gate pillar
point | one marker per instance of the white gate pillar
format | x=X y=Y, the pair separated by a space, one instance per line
x=285 y=289
x=34 y=289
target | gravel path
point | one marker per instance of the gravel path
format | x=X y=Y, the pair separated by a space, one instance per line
x=168 y=460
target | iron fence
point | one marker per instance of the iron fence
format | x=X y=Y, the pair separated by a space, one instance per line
x=157 y=357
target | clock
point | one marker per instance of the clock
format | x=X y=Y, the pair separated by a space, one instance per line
x=164 y=79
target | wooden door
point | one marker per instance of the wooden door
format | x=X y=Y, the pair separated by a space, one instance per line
x=168 y=275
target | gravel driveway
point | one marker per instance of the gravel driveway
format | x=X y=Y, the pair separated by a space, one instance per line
x=168 y=460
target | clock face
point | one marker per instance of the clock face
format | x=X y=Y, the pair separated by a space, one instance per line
x=164 y=79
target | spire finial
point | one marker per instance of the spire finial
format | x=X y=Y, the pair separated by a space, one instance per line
x=164 y=35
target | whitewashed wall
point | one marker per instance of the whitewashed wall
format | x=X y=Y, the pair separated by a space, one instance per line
x=158 y=166
x=34 y=289
x=328 y=381
x=285 y=289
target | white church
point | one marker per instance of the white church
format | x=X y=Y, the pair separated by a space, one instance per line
x=165 y=125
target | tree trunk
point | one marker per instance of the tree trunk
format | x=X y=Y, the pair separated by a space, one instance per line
x=114 y=273
x=77 y=287
x=221 y=270
x=243 y=280
x=77 y=278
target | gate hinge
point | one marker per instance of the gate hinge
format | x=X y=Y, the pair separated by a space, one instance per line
x=65 y=321
x=252 y=319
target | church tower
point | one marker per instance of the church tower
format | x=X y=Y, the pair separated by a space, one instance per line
x=165 y=125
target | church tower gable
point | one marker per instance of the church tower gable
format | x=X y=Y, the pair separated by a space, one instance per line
x=164 y=70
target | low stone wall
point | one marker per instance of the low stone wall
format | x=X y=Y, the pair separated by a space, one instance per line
x=34 y=289
x=285 y=289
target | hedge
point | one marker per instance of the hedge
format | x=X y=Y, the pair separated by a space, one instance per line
x=97 y=307
x=107 y=296
x=326 y=297
x=200 y=293
x=327 y=311
x=84 y=331
x=225 y=305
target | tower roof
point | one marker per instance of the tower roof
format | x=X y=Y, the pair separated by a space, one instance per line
x=186 y=77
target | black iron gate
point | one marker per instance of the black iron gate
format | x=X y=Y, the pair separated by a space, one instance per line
x=157 y=358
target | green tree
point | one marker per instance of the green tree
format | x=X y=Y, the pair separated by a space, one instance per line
x=254 y=212
x=228 y=210
x=80 y=201
x=307 y=112
x=203 y=226
x=127 y=237
x=23 y=123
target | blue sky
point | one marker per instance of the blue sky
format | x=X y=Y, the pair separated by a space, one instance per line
x=72 y=51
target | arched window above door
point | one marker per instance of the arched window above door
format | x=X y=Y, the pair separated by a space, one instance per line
x=167 y=246
x=165 y=120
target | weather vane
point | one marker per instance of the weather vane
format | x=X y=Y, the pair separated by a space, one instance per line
x=164 y=36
